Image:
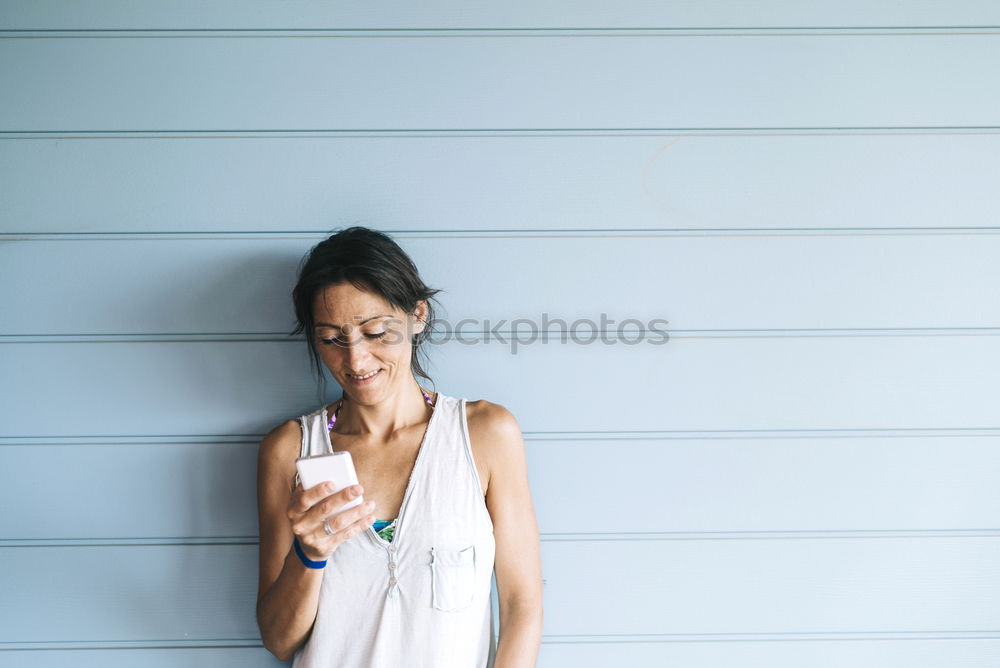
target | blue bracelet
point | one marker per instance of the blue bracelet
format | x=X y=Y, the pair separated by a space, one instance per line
x=309 y=563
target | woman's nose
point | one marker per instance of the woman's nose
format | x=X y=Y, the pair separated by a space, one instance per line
x=357 y=351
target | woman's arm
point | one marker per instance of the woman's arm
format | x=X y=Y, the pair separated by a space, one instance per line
x=497 y=439
x=288 y=591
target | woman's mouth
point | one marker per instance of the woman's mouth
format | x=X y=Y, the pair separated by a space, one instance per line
x=364 y=378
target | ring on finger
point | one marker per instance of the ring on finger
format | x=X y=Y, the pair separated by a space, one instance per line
x=326 y=527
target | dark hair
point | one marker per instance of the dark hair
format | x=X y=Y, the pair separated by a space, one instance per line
x=370 y=261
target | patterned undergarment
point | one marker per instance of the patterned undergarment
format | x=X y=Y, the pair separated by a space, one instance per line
x=385 y=529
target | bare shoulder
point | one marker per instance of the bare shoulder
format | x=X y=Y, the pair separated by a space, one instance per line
x=496 y=438
x=284 y=437
x=488 y=417
x=278 y=451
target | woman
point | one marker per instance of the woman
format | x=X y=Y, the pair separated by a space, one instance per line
x=403 y=580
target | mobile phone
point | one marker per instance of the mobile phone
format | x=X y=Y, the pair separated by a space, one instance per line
x=336 y=467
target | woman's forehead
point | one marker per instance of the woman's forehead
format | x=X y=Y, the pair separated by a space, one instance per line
x=337 y=305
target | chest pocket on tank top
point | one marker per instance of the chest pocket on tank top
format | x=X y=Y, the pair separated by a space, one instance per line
x=453 y=578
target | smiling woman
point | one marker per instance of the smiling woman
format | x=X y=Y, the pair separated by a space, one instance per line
x=447 y=477
x=364 y=352
x=388 y=283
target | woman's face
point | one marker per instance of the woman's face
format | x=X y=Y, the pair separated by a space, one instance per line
x=364 y=341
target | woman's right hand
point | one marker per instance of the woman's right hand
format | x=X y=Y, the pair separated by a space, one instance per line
x=308 y=507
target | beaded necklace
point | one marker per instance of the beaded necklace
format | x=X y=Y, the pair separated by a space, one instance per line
x=333 y=420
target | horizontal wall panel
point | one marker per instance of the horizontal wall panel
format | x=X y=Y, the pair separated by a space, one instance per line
x=155 y=286
x=765 y=484
x=161 y=657
x=199 y=490
x=129 y=593
x=243 y=285
x=500 y=182
x=880 y=653
x=772 y=586
x=356 y=14
x=246 y=387
x=207 y=490
x=205 y=592
x=141 y=389
x=476 y=82
x=876 y=653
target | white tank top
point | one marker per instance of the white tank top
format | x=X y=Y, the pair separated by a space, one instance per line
x=423 y=600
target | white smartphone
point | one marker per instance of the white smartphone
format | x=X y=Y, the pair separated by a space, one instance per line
x=336 y=467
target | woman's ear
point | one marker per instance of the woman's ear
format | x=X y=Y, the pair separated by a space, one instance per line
x=420 y=313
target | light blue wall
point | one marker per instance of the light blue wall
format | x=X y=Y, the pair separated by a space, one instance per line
x=805 y=474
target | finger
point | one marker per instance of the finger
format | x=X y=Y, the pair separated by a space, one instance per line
x=354 y=528
x=302 y=500
x=346 y=519
x=321 y=543
x=334 y=502
x=308 y=498
x=306 y=520
x=291 y=510
x=362 y=524
x=329 y=505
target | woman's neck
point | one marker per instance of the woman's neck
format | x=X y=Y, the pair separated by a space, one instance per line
x=398 y=410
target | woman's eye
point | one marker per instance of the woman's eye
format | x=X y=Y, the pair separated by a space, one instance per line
x=336 y=341
x=341 y=341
